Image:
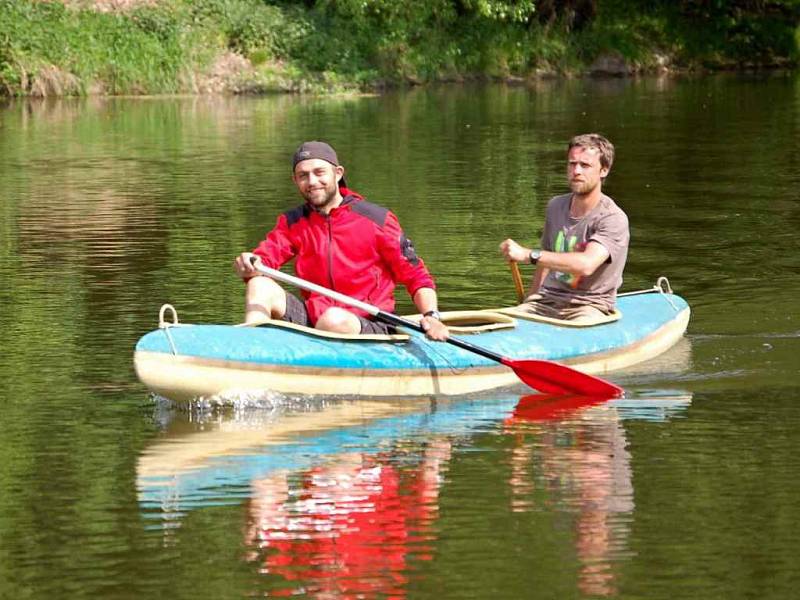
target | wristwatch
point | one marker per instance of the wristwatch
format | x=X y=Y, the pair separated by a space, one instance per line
x=534 y=256
x=433 y=313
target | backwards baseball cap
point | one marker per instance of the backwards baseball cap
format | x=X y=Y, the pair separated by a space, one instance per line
x=314 y=149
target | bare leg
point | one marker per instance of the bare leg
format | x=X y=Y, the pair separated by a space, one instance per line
x=339 y=320
x=265 y=300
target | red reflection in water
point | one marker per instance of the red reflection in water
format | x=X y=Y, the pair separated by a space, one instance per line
x=351 y=528
x=348 y=528
x=548 y=407
x=583 y=465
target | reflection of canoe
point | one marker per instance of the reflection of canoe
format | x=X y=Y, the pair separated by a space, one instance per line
x=217 y=464
x=186 y=361
x=181 y=451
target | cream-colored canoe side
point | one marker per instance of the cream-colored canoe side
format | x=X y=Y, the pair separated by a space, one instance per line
x=183 y=378
x=647 y=348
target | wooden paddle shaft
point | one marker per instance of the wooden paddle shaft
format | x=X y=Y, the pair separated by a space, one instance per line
x=515 y=274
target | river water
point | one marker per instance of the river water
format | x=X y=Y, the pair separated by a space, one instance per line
x=687 y=488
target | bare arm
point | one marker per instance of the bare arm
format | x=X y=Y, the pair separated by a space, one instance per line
x=425 y=300
x=579 y=263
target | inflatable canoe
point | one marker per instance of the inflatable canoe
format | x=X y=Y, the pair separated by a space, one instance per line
x=188 y=361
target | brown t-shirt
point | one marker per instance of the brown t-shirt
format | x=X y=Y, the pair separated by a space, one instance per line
x=606 y=224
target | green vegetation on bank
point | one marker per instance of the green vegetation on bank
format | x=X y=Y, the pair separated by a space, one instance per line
x=179 y=46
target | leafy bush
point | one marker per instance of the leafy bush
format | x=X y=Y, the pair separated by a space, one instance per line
x=49 y=47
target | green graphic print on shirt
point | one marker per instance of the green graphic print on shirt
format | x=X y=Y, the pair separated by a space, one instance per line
x=568 y=244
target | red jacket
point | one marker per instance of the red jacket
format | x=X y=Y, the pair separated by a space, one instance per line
x=358 y=249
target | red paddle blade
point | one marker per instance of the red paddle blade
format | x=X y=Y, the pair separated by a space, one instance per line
x=554 y=378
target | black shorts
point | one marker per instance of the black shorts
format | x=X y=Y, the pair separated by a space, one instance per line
x=296 y=313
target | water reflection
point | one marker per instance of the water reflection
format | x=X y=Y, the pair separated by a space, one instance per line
x=575 y=449
x=352 y=525
x=343 y=497
x=208 y=461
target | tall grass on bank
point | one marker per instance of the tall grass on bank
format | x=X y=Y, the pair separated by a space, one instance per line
x=47 y=48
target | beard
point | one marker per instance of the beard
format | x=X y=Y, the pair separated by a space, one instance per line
x=322 y=198
x=583 y=187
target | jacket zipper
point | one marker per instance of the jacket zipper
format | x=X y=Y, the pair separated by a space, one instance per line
x=330 y=252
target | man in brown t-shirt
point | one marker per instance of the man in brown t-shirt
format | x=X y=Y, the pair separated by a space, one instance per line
x=584 y=243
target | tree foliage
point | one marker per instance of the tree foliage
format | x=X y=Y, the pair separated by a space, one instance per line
x=151 y=47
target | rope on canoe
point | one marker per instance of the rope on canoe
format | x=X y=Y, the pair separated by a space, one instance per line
x=165 y=325
x=662 y=283
x=451 y=367
x=662 y=286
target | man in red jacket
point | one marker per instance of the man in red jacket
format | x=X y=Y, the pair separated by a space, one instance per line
x=342 y=242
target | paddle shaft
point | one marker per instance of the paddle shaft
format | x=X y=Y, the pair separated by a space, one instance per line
x=403 y=322
x=517 y=276
x=376 y=312
x=543 y=375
